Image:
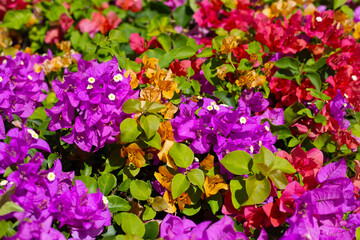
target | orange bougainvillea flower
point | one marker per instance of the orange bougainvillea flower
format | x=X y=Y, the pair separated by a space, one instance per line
x=166 y=132
x=134 y=154
x=229 y=44
x=150 y=94
x=165 y=156
x=163 y=80
x=149 y=62
x=221 y=72
x=170 y=201
x=134 y=83
x=212 y=185
x=208 y=162
x=164 y=177
x=182 y=200
x=169 y=111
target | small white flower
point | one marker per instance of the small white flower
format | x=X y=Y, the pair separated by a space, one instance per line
x=1 y=79
x=196 y=159
x=345 y=105
x=213 y=103
x=30 y=77
x=89 y=86
x=318 y=19
x=251 y=149
x=216 y=107
x=199 y=97
x=51 y=176
x=354 y=77
x=5 y=61
x=111 y=96
x=346 y=96
x=105 y=200
x=267 y=128
x=118 y=78
x=33 y=133
x=210 y=108
x=260 y=143
x=3 y=182
x=242 y=120
x=91 y=80
x=21 y=63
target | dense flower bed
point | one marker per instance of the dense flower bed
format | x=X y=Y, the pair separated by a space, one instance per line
x=179 y=119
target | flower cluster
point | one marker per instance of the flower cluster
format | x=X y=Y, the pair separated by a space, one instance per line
x=47 y=196
x=22 y=86
x=90 y=102
x=224 y=128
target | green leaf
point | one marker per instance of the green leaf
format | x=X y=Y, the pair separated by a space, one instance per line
x=283 y=165
x=129 y=130
x=165 y=41
x=318 y=94
x=179 y=184
x=117 y=36
x=238 y=191
x=253 y=47
x=131 y=106
x=153 y=107
x=338 y=3
x=206 y=52
x=182 y=155
x=288 y=62
x=117 y=204
x=15 y=19
x=355 y=130
x=357 y=233
x=245 y=64
x=148 y=214
x=55 y=11
x=155 y=141
x=150 y=124
x=315 y=79
x=192 y=209
x=237 y=162
x=196 y=177
x=131 y=224
x=320 y=119
x=215 y=202
x=159 y=204
x=89 y=182
x=225 y=97
x=106 y=183
x=348 y=11
x=210 y=70
x=9 y=207
x=291 y=112
x=151 y=230
x=257 y=188
x=278 y=179
x=140 y=190
x=183 y=15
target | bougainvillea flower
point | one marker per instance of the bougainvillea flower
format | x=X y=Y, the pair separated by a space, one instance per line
x=132 y=5
x=213 y=185
x=164 y=177
x=134 y=155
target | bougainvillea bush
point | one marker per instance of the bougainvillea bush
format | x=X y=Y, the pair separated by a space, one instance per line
x=180 y=119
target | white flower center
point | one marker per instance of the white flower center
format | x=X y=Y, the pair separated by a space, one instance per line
x=242 y=120
x=91 y=80
x=118 y=78
x=345 y=105
x=51 y=176
x=196 y=159
x=199 y=97
x=209 y=108
x=111 y=96
x=251 y=149
x=213 y=103
x=216 y=107
x=5 y=61
x=260 y=143
x=267 y=128
x=346 y=96
x=3 y=182
x=21 y=63
x=1 y=79
x=30 y=77
x=89 y=86
x=354 y=77
x=33 y=133
x=318 y=19
x=105 y=200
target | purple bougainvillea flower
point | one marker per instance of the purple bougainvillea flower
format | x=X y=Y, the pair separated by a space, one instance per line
x=338 y=106
x=357 y=14
x=224 y=229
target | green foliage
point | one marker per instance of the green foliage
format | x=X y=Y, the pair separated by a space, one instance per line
x=106 y=183
x=150 y=124
x=182 y=155
x=237 y=162
x=179 y=185
x=16 y=19
x=196 y=177
x=129 y=130
x=118 y=204
x=140 y=190
x=257 y=188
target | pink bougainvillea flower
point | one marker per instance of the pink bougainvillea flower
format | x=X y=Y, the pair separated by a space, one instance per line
x=287 y=202
x=65 y=22
x=139 y=45
x=307 y=164
x=53 y=36
x=132 y=5
x=100 y=23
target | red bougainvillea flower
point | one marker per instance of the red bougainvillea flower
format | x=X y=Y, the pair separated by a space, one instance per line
x=100 y=23
x=132 y=5
x=139 y=45
x=307 y=164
